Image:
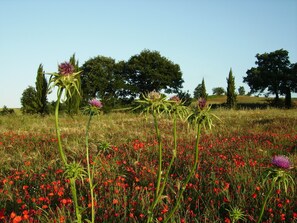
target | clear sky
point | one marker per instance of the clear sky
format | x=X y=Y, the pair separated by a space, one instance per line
x=206 y=38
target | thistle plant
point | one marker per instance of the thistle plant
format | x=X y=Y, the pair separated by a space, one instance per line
x=236 y=214
x=94 y=108
x=67 y=82
x=199 y=117
x=278 y=176
x=154 y=103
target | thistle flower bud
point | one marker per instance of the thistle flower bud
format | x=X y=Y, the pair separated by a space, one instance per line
x=281 y=162
x=201 y=103
x=175 y=99
x=66 y=69
x=153 y=95
x=95 y=103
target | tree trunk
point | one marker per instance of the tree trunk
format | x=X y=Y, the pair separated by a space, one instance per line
x=288 y=101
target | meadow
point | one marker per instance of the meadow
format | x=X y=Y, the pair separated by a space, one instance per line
x=233 y=157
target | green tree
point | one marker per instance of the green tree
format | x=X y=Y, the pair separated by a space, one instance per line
x=241 y=90
x=149 y=71
x=218 y=91
x=73 y=102
x=28 y=100
x=103 y=78
x=231 y=95
x=200 y=91
x=41 y=86
x=272 y=74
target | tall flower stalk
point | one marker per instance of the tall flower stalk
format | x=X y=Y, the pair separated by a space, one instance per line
x=93 y=109
x=277 y=176
x=156 y=104
x=199 y=117
x=67 y=82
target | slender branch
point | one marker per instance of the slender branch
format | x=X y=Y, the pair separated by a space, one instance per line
x=90 y=176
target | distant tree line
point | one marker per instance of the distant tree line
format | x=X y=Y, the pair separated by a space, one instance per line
x=118 y=84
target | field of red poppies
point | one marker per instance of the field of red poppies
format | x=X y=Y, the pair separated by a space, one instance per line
x=226 y=187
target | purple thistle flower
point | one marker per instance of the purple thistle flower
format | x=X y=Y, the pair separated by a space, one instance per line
x=95 y=103
x=281 y=161
x=66 y=69
x=201 y=103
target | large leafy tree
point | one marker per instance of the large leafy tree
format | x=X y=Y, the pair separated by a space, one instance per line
x=101 y=78
x=272 y=74
x=41 y=86
x=149 y=71
x=231 y=95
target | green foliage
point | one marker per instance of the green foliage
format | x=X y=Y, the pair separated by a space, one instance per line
x=231 y=95
x=28 y=100
x=6 y=111
x=100 y=79
x=200 y=90
x=73 y=103
x=241 y=90
x=274 y=74
x=149 y=71
x=218 y=91
x=41 y=86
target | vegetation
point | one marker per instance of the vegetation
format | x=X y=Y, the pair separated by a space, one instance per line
x=218 y=91
x=227 y=185
x=231 y=95
x=200 y=90
x=274 y=73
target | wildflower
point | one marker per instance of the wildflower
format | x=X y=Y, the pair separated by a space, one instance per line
x=66 y=69
x=153 y=95
x=95 y=103
x=175 y=99
x=281 y=162
x=201 y=103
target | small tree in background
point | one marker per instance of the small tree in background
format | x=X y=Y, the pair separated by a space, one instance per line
x=200 y=90
x=41 y=91
x=231 y=95
x=28 y=100
x=241 y=90
x=218 y=91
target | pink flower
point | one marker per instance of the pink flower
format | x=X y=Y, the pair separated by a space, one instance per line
x=281 y=161
x=201 y=103
x=66 y=69
x=95 y=103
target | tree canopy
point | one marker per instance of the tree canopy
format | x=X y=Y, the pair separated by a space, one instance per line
x=272 y=74
x=150 y=71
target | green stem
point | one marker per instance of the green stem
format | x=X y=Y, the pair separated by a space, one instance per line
x=90 y=176
x=63 y=156
x=265 y=201
x=174 y=151
x=196 y=159
x=159 y=173
x=74 y=195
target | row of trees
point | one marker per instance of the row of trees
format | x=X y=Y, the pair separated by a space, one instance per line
x=274 y=74
x=119 y=83
x=115 y=83
x=200 y=91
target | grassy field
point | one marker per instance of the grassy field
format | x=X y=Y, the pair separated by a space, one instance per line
x=233 y=158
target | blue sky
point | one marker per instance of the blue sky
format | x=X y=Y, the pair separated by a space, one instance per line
x=206 y=38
